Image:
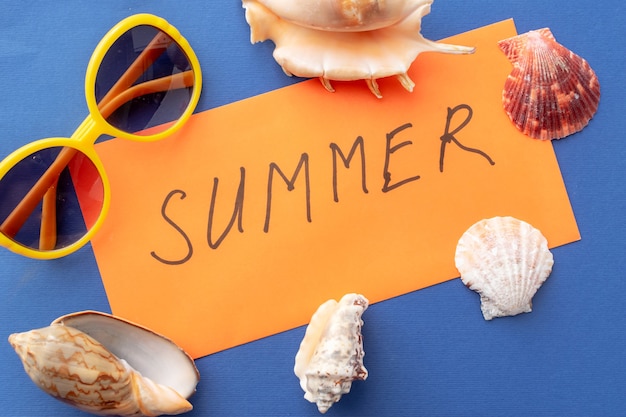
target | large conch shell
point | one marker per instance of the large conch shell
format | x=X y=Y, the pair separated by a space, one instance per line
x=505 y=260
x=551 y=92
x=331 y=354
x=345 y=40
x=104 y=365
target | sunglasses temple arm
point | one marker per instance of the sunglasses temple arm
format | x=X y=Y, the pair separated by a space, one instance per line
x=13 y=223
x=48 y=232
x=46 y=185
x=170 y=82
x=153 y=50
x=48 y=228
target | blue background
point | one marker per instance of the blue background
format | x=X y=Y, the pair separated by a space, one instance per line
x=429 y=353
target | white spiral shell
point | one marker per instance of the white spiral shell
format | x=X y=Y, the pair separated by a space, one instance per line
x=342 y=15
x=331 y=354
x=345 y=40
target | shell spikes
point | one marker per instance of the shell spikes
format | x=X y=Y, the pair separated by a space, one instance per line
x=551 y=92
x=331 y=354
x=345 y=40
x=505 y=260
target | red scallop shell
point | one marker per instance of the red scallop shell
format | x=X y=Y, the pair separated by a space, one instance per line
x=551 y=92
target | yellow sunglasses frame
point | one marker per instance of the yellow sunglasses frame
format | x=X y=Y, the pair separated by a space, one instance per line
x=95 y=125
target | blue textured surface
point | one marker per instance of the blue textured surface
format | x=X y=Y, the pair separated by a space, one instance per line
x=429 y=353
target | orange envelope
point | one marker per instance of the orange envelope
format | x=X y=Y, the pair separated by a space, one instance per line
x=256 y=212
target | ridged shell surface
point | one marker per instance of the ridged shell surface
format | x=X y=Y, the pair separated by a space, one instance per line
x=345 y=40
x=551 y=92
x=73 y=367
x=331 y=354
x=505 y=260
x=342 y=15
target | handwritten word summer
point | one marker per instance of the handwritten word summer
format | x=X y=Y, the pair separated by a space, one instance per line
x=301 y=176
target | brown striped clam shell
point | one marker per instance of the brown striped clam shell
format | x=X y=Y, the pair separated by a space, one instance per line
x=551 y=92
x=104 y=365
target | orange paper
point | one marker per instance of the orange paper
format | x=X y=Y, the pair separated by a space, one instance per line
x=257 y=212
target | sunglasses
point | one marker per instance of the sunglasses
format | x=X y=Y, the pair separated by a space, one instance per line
x=143 y=82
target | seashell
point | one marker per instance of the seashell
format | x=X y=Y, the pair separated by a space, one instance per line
x=104 y=365
x=551 y=92
x=345 y=40
x=331 y=354
x=505 y=260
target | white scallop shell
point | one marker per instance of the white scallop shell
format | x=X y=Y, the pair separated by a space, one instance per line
x=505 y=260
x=104 y=365
x=345 y=40
x=331 y=354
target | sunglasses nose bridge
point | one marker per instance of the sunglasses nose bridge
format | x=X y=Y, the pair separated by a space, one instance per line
x=172 y=97
x=88 y=132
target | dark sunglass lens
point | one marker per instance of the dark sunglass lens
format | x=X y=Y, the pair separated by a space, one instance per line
x=50 y=199
x=145 y=80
